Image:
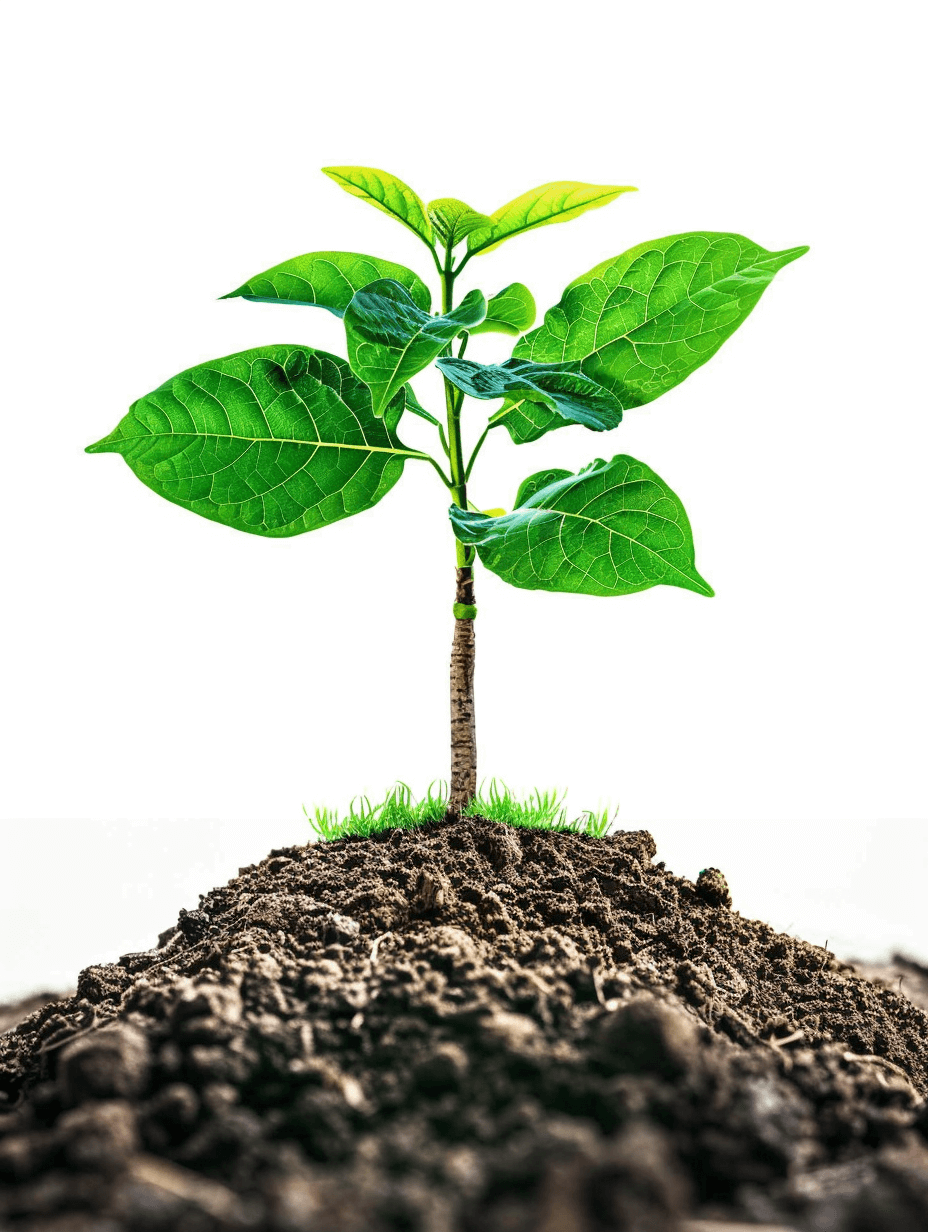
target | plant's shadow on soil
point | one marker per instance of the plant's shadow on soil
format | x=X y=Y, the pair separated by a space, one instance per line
x=467 y=1027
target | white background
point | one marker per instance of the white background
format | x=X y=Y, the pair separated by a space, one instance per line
x=161 y=669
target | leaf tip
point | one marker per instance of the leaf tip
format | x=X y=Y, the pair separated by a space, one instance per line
x=792 y=254
x=101 y=446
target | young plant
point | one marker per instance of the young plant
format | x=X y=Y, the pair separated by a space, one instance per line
x=284 y=439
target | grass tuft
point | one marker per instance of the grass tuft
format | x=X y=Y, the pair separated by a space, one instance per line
x=399 y=810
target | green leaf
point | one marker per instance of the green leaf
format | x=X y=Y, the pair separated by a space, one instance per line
x=640 y=323
x=453 y=220
x=328 y=280
x=512 y=311
x=613 y=529
x=534 y=483
x=558 y=391
x=390 y=339
x=273 y=441
x=556 y=202
x=387 y=193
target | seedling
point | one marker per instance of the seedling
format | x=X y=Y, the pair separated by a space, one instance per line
x=284 y=439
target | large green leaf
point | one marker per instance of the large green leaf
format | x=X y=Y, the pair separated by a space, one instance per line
x=640 y=323
x=453 y=220
x=557 y=389
x=511 y=311
x=386 y=192
x=390 y=339
x=612 y=529
x=274 y=441
x=328 y=280
x=556 y=202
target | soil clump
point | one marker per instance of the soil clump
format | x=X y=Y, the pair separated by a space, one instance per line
x=468 y=1027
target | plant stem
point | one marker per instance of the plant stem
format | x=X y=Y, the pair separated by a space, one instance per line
x=463 y=728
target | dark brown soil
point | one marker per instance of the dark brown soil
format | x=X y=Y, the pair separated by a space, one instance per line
x=468 y=1028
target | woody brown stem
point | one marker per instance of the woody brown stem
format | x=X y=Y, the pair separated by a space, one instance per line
x=463 y=730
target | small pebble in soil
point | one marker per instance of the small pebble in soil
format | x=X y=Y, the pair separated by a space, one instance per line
x=712 y=888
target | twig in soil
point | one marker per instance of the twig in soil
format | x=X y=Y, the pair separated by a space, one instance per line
x=853 y=1056
x=211 y=1196
x=613 y=1003
x=712 y=1225
x=789 y=1039
x=376 y=946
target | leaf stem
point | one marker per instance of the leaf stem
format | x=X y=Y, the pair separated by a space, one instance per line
x=435 y=258
x=444 y=441
x=476 y=451
x=427 y=457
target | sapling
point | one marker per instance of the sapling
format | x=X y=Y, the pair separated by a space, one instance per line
x=284 y=439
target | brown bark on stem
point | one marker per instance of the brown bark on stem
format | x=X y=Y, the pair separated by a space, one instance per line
x=463 y=729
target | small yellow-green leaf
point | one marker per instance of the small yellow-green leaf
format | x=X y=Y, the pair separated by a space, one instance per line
x=453 y=220
x=386 y=192
x=558 y=201
x=512 y=311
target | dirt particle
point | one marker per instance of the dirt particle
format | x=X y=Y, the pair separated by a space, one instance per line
x=99 y=1136
x=428 y=893
x=193 y=924
x=712 y=888
x=440 y=1070
x=647 y=1035
x=112 y=1062
x=340 y=929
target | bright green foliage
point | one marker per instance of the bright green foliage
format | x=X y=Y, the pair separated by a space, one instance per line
x=387 y=193
x=642 y=322
x=613 y=529
x=284 y=439
x=452 y=220
x=274 y=441
x=558 y=388
x=390 y=339
x=511 y=311
x=328 y=280
x=399 y=810
x=559 y=201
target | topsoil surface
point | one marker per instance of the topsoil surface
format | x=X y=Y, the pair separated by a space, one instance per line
x=468 y=1028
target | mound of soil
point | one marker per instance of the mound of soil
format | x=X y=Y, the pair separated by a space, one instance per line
x=468 y=1028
